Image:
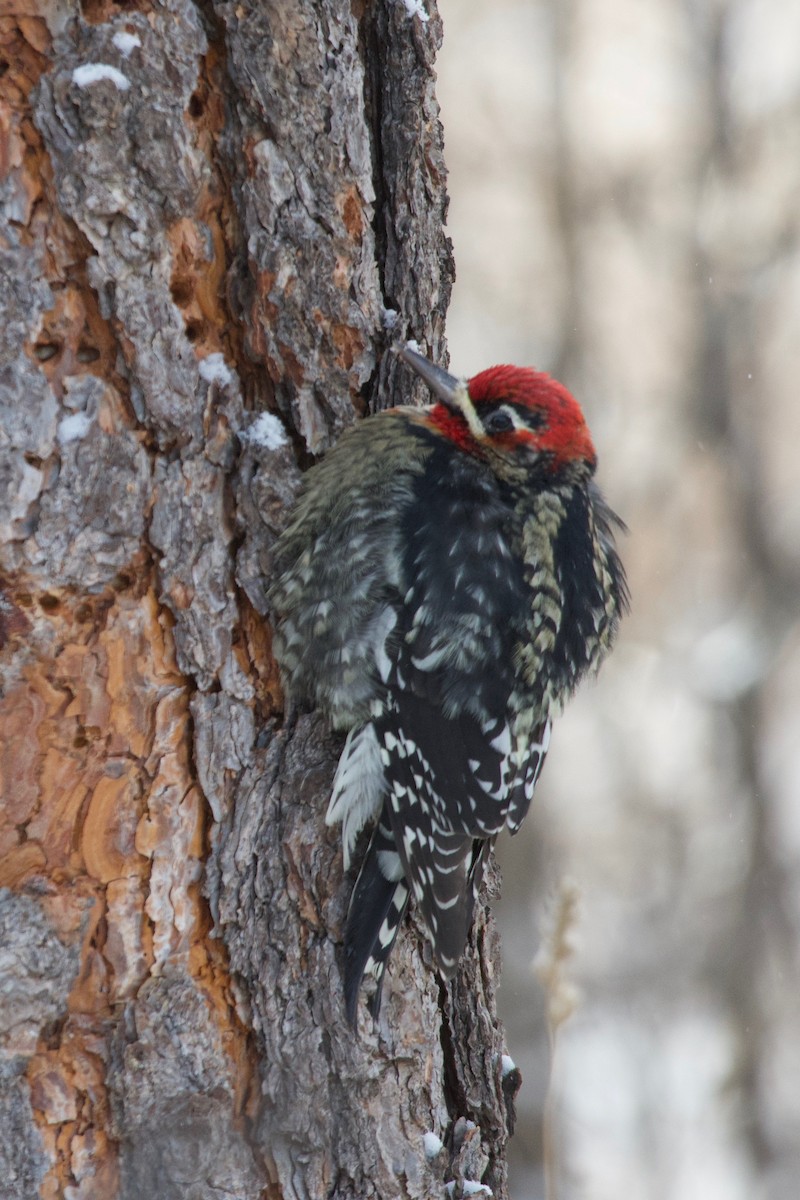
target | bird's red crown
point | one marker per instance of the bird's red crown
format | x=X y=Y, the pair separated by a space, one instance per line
x=520 y=408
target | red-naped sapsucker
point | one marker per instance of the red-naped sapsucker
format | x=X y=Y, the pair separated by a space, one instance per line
x=446 y=579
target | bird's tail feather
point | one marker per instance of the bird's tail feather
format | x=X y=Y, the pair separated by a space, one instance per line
x=377 y=905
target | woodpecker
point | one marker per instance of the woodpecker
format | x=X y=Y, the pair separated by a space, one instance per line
x=448 y=576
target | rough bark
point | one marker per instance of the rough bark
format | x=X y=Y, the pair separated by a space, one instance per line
x=233 y=217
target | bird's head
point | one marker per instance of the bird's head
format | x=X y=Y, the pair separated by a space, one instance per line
x=516 y=416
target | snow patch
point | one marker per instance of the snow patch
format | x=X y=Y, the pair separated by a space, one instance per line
x=126 y=43
x=432 y=1144
x=214 y=369
x=471 y=1187
x=91 y=73
x=266 y=431
x=414 y=9
x=73 y=428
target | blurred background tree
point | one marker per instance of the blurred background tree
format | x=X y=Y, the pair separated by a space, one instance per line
x=625 y=210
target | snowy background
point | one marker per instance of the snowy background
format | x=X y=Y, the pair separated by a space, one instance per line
x=625 y=182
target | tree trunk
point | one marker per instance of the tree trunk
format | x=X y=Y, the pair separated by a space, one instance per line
x=216 y=217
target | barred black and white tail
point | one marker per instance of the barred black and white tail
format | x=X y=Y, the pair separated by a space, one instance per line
x=443 y=788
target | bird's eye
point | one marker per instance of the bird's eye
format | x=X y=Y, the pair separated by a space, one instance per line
x=499 y=422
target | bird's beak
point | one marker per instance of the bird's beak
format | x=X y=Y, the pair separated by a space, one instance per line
x=445 y=387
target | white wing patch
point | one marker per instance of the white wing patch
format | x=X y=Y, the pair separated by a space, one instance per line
x=358 y=787
x=382 y=628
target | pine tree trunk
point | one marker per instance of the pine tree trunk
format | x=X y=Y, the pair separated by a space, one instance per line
x=211 y=212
